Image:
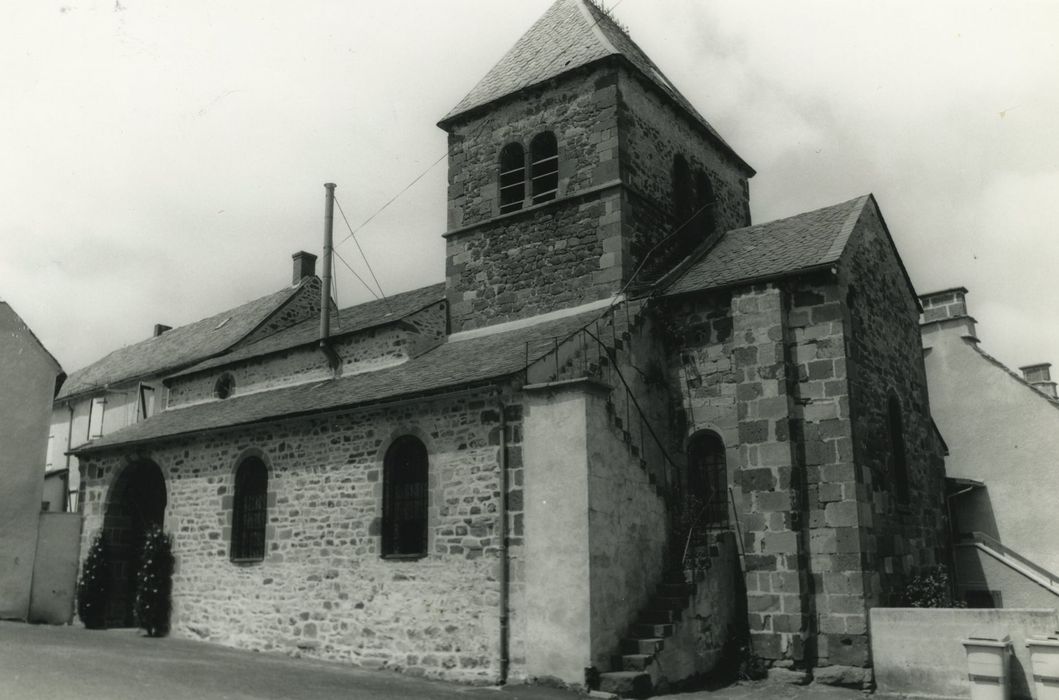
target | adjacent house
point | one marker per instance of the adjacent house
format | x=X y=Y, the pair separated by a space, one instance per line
x=1002 y=428
x=628 y=426
x=29 y=378
x=125 y=387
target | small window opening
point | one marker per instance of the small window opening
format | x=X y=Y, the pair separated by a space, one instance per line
x=705 y=206
x=898 y=461
x=512 y=178
x=225 y=386
x=544 y=167
x=250 y=511
x=404 y=499
x=682 y=193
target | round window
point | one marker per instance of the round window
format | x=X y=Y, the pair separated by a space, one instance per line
x=224 y=387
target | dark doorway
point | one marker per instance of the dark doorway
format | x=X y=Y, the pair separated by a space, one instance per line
x=708 y=477
x=137 y=500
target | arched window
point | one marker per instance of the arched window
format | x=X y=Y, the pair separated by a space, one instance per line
x=682 y=192
x=404 y=499
x=898 y=461
x=250 y=511
x=708 y=476
x=512 y=178
x=224 y=386
x=705 y=207
x=544 y=167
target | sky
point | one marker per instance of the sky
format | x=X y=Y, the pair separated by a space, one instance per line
x=161 y=161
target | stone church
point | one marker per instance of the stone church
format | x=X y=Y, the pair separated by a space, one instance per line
x=629 y=429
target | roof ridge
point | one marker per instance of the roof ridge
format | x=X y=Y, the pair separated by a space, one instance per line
x=839 y=244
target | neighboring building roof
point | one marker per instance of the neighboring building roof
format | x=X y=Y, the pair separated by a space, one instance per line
x=178 y=347
x=18 y=319
x=348 y=320
x=570 y=35
x=452 y=364
x=802 y=242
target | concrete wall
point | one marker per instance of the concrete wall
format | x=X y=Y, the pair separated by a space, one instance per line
x=558 y=556
x=27 y=383
x=55 y=569
x=1001 y=431
x=627 y=528
x=918 y=651
x=323 y=590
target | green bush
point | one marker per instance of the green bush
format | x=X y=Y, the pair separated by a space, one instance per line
x=92 y=588
x=154 y=583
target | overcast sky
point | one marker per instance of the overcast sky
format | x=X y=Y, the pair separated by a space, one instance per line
x=162 y=160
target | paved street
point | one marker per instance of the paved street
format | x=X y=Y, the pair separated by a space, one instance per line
x=70 y=663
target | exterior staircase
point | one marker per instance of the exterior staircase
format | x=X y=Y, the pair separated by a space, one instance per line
x=640 y=666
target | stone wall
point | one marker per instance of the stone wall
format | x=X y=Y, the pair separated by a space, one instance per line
x=546 y=256
x=364 y=351
x=322 y=589
x=303 y=305
x=901 y=538
x=652 y=132
x=627 y=532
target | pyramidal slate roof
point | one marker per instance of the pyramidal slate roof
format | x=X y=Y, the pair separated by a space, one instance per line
x=801 y=242
x=349 y=320
x=570 y=35
x=177 y=347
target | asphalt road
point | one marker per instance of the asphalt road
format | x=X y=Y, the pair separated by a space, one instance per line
x=71 y=663
x=39 y=662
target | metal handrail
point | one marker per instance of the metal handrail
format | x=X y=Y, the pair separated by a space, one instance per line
x=989 y=541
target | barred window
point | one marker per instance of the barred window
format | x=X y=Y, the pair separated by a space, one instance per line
x=250 y=511
x=512 y=178
x=405 y=499
x=544 y=167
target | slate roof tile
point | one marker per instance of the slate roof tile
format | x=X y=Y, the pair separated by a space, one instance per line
x=177 y=347
x=780 y=247
x=351 y=319
x=451 y=364
x=570 y=35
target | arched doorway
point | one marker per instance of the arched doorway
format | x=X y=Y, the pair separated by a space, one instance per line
x=137 y=500
x=708 y=477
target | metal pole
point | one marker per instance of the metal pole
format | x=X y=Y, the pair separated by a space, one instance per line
x=325 y=278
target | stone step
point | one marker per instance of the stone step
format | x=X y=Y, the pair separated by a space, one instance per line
x=627 y=684
x=632 y=662
x=643 y=645
x=648 y=630
x=657 y=616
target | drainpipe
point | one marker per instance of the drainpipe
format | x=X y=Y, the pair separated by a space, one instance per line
x=502 y=538
x=325 y=278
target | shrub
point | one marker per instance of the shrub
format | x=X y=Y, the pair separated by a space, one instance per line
x=92 y=588
x=930 y=590
x=154 y=583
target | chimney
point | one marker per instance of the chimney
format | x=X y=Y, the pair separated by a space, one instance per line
x=947 y=310
x=160 y=328
x=304 y=266
x=1040 y=378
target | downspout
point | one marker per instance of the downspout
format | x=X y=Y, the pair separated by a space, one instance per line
x=70 y=446
x=502 y=538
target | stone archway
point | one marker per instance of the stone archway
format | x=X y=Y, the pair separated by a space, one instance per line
x=137 y=500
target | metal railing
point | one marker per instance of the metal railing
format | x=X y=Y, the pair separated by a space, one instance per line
x=985 y=540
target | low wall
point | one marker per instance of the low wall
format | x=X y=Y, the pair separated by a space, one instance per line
x=918 y=651
x=55 y=568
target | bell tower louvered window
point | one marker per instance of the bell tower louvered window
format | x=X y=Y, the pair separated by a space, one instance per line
x=544 y=167
x=250 y=511
x=405 y=499
x=512 y=178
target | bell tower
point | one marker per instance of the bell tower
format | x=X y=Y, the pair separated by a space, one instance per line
x=570 y=161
